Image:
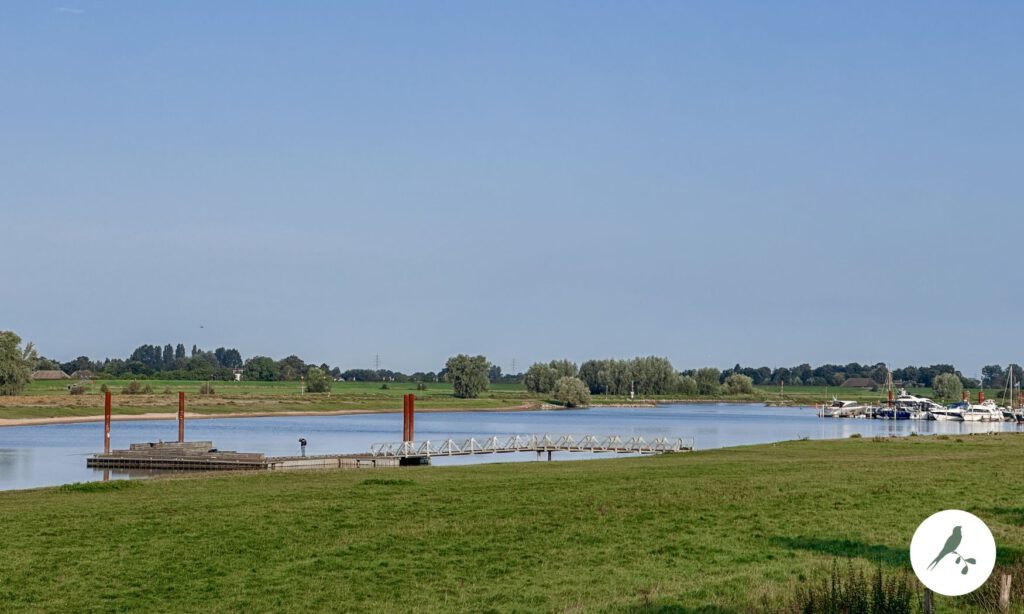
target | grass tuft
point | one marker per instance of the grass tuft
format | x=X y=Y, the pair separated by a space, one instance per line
x=100 y=486
x=386 y=482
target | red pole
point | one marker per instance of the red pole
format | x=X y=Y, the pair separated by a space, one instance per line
x=106 y=423
x=405 y=417
x=181 y=417
x=412 y=417
x=981 y=396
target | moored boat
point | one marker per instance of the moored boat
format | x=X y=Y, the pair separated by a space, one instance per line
x=844 y=409
x=951 y=413
x=985 y=411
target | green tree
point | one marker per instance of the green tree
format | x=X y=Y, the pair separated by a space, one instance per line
x=993 y=376
x=563 y=368
x=707 y=380
x=291 y=368
x=654 y=375
x=468 y=375
x=15 y=364
x=200 y=368
x=947 y=386
x=540 y=378
x=572 y=392
x=260 y=369
x=317 y=380
x=688 y=385
x=737 y=383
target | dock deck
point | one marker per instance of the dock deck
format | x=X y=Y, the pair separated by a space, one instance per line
x=202 y=456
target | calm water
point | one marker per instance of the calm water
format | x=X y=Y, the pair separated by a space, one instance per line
x=32 y=456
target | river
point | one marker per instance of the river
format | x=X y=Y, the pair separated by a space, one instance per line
x=32 y=456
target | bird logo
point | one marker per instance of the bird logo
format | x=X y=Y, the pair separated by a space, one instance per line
x=937 y=552
x=952 y=543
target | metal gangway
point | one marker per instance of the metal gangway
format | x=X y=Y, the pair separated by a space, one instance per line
x=532 y=443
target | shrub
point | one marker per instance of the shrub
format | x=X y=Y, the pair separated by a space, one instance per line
x=132 y=387
x=147 y=389
x=317 y=380
x=737 y=383
x=206 y=388
x=850 y=591
x=104 y=388
x=856 y=436
x=572 y=392
x=421 y=386
x=385 y=387
x=76 y=389
x=168 y=391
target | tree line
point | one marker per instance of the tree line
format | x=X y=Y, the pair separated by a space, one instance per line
x=174 y=362
x=649 y=375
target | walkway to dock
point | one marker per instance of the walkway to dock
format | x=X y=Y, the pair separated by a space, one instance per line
x=201 y=455
x=531 y=443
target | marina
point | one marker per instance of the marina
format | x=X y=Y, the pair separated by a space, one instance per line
x=909 y=407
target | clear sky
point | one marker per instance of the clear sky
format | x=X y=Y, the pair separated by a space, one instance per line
x=715 y=182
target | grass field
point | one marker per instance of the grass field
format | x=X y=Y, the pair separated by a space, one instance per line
x=45 y=399
x=51 y=398
x=719 y=531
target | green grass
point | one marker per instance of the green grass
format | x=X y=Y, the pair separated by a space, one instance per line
x=715 y=531
x=45 y=399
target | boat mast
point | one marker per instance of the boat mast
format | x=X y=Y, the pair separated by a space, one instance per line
x=890 y=388
x=1010 y=384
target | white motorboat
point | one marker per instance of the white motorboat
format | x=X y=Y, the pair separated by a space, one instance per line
x=950 y=413
x=843 y=409
x=985 y=411
x=919 y=408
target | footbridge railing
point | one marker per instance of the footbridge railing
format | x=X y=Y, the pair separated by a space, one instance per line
x=533 y=443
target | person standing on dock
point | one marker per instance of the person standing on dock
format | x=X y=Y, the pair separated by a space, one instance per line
x=302 y=445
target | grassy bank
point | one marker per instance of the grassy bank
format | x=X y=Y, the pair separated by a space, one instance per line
x=46 y=399
x=717 y=531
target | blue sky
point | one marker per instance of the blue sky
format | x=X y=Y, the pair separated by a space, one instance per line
x=763 y=183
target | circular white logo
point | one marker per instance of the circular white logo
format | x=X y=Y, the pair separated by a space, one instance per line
x=953 y=552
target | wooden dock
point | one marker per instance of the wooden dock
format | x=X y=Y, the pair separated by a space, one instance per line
x=202 y=456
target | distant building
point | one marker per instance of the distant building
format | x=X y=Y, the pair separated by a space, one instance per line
x=50 y=375
x=238 y=374
x=83 y=374
x=859 y=382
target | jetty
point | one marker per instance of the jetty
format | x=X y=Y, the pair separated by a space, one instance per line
x=184 y=455
x=203 y=456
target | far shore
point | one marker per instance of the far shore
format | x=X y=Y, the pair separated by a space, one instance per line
x=173 y=415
